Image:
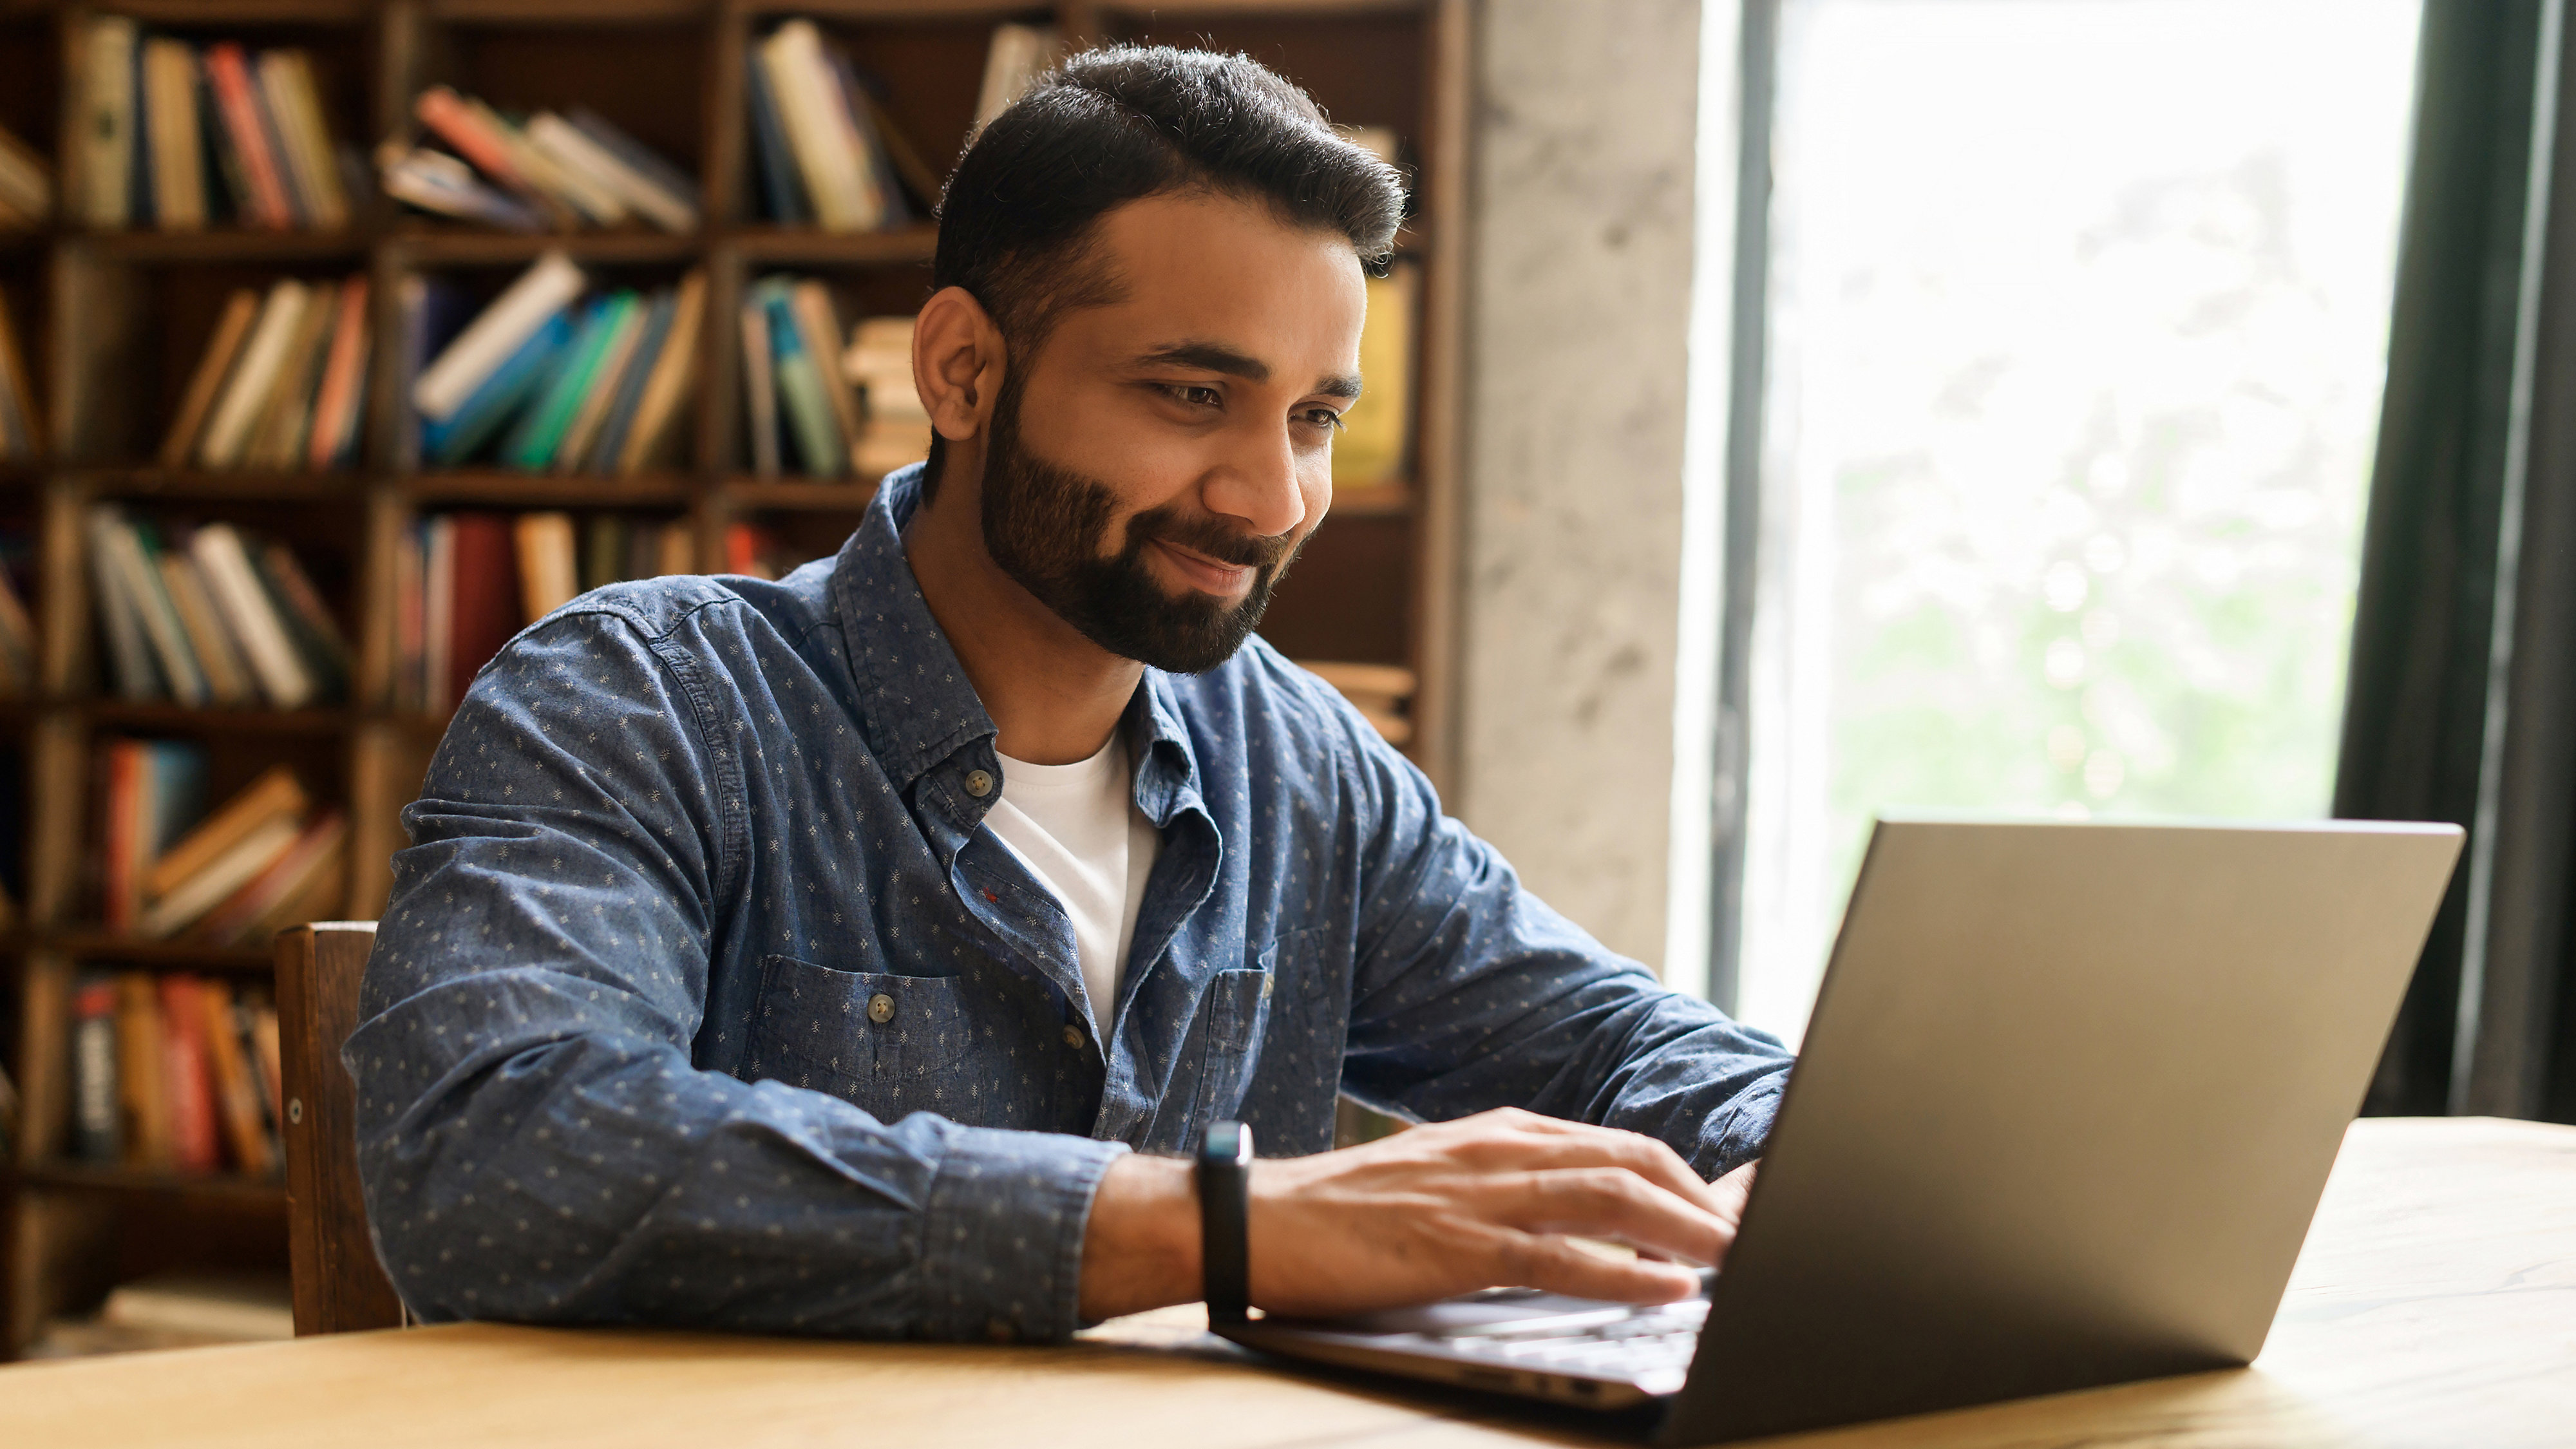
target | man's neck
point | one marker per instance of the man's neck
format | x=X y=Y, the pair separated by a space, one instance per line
x=1053 y=694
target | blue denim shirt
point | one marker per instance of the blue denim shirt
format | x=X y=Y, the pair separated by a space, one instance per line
x=703 y=996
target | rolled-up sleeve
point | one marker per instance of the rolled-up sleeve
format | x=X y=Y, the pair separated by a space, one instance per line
x=1469 y=993
x=536 y=1141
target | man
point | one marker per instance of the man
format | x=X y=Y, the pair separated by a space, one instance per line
x=849 y=954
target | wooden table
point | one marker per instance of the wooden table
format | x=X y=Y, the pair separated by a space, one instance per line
x=2435 y=1306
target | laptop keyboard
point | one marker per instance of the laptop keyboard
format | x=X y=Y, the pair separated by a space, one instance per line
x=1644 y=1345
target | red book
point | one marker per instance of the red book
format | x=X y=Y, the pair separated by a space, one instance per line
x=334 y=410
x=228 y=72
x=187 y=1074
x=122 y=856
x=486 y=611
x=446 y=114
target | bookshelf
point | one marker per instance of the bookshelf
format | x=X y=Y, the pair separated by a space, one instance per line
x=114 y=322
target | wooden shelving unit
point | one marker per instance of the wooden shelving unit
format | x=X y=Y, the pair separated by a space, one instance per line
x=116 y=320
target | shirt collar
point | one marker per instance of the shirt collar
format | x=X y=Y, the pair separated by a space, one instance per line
x=915 y=702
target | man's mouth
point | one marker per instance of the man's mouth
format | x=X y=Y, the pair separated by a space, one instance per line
x=1205 y=573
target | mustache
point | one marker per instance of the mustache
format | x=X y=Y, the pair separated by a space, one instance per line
x=1205 y=535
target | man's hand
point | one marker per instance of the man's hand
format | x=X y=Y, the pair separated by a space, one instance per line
x=1447 y=1208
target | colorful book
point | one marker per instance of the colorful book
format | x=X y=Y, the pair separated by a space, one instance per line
x=631 y=382
x=801 y=396
x=486 y=599
x=236 y=93
x=657 y=410
x=490 y=407
x=214 y=365
x=496 y=334
x=95 y=1120
x=187 y=1075
x=540 y=431
x=780 y=184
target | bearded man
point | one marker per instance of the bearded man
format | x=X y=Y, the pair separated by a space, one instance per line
x=852 y=954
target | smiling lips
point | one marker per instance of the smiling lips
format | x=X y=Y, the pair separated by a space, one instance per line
x=1204 y=572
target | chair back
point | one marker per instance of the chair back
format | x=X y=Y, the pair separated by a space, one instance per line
x=339 y=1285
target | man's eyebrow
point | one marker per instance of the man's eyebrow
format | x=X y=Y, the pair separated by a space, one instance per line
x=1218 y=358
x=1345 y=386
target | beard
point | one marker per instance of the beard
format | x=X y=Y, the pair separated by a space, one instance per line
x=1046 y=526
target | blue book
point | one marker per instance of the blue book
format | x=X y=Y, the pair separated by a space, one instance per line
x=630 y=384
x=779 y=180
x=532 y=443
x=175 y=787
x=486 y=409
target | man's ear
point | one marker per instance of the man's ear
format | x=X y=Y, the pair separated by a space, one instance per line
x=957 y=363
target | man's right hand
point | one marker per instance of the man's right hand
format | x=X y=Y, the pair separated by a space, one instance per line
x=1442 y=1209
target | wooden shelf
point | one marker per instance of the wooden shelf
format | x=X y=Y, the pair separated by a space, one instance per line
x=99 y=1177
x=112 y=321
x=494 y=488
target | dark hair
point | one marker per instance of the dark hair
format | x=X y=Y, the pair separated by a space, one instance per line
x=1017 y=226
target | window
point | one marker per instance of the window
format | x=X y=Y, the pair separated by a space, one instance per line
x=2076 y=327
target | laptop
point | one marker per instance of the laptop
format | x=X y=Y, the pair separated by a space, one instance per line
x=2066 y=1104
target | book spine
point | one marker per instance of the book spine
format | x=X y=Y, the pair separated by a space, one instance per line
x=106 y=156
x=95 y=1134
x=658 y=409
x=780 y=184
x=245 y=606
x=228 y=72
x=142 y=1061
x=192 y=1103
x=760 y=389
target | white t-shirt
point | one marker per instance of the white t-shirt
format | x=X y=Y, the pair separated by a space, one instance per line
x=1076 y=827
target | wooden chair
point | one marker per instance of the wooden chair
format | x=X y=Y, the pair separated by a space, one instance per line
x=339 y=1285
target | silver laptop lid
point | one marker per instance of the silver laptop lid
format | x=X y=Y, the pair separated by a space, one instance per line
x=2064 y=1110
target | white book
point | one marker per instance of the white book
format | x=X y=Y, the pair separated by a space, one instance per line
x=246 y=390
x=836 y=171
x=1018 y=55
x=541 y=291
x=226 y=874
x=564 y=144
x=438 y=614
x=137 y=678
x=586 y=197
x=251 y=616
x=106 y=133
x=117 y=547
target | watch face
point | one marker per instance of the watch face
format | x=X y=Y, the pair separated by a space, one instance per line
x=1229 y=1141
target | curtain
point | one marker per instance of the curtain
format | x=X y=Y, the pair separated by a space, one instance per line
x=2461 y=704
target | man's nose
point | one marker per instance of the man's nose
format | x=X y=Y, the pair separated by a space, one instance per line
x=1256 y=482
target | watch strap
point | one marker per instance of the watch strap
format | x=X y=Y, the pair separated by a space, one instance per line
x=1225 y=1190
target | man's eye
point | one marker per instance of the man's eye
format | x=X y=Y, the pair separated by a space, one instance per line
x=1323 y=418
x=1197 y=397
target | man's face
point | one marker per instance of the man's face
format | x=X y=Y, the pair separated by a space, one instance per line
x=1151 y=472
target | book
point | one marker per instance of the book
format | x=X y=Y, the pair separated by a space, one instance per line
x=607 y=550
x=104 y=138
x=549 y=573
x=659 y=189
x=119 y=551
x=197 y=894
x=540 y=431
x=864 y=131
x=285 y=416
x=819 y=328
x=186 y=1076
x=821 y=134
x=341 y=394
x=17 y=641
x=26 y=183
x=895 y=430
x=214 y=365
x=467 y=129
x=120 y=621
x=439 y=183
x=782 y=189
x=18 y=394
x=236 y=1089
x=581 y=154
x=760 y=388
x=607 y=383
x=539 y=294
x=500 y=397
x=631 y=383
x=294 y=105
x=751 y=550
x=674 y=368
x=263 y=357
x=95 y=1119
x=438 y=614
x=223 y=559
x=1375 y=443
x=198 y=1308
x=177 y=154
x=820 y=447
x=484 y=609
x=269 y=900
x=246 y=131
x=1015 y=57
x=228 y=680
x=275 y=795
x=142 y=1073
x=310 y=626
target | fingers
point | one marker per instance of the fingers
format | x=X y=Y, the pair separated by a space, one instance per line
x=1610 y=1202
x=1558 y=1266
x=1510 y=1140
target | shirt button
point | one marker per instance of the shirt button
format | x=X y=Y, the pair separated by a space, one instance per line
x=979 y=783
x=1073 y=1037
x=880 y=1008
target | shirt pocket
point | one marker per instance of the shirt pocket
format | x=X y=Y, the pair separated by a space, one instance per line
x=1236 y=1013
x=889 y=1045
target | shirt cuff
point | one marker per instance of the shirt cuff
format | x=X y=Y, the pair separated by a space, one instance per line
x=1003 y=1227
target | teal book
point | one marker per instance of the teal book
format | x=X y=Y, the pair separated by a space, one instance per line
x=630 y=385
x=531 y=445
x=498 y=398
x=801 y=395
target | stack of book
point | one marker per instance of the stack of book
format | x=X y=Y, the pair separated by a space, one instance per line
x=465 y=582
x=265 y=860
x=22 y=425
x=812 y=408
x=1382 y=692
x=179 y=138
x=544 y=380
x=282 y=385
x=26 y=185
x=540 y=172
x=210 y=615
x=826 y=155
x=175 y=1073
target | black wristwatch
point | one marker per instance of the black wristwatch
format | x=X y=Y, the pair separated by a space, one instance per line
x=1225 y=1187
